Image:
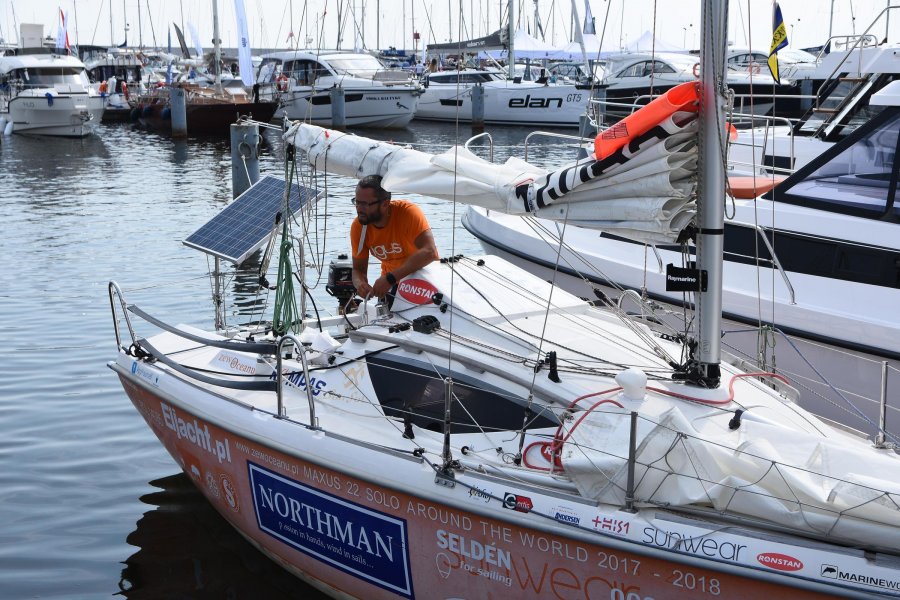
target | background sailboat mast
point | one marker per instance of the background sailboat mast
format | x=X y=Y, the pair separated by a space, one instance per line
x=217 y=44
x=711 y=187
x=511 y=31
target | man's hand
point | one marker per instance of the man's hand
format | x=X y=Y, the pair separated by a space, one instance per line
x=364 y=289
x=382 y=286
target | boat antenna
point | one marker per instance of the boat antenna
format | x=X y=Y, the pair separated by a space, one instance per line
x=711 y=191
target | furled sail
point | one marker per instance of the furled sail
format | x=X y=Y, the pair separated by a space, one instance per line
x=643 y=188
x=764 y=469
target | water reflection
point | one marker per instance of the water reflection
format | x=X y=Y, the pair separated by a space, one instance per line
x=249 y=298
x=185 y=549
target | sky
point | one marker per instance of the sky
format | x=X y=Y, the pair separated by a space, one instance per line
x=271 y=21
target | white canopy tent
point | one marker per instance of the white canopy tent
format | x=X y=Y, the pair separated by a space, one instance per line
x=647 y=43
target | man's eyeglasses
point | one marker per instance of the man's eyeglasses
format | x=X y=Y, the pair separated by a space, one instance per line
x=364 y=204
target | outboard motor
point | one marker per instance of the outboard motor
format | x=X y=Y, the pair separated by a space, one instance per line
x=340 y=281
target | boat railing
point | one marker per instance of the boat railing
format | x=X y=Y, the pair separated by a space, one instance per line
x=761 y=234
x=768 y=125
x=598 y=106
x=576 y=140
x=842 y=42
x=490 y=143
x=301 y=351
x=858 y=43
x=820 y=394
x=141 y=347
x=738 y=116
x=825 y=518
x=116 y=296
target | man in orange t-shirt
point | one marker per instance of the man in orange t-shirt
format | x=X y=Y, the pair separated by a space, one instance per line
x=395 y=232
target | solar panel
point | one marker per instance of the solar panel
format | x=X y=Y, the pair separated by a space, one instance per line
x=245 y=224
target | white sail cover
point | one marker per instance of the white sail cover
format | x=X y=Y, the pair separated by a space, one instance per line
x=764 y=469
x=643 y=191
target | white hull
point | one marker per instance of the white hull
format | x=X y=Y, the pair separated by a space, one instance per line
x=70 y=115
x=363 y=107
x=849 y=314
x=507 y=103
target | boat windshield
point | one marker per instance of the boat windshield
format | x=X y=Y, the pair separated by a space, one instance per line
x=37 y=77
x=464 y=77
x=360 y=66
x=858 y=179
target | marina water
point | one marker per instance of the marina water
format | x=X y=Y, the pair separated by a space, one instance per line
x=91 y=505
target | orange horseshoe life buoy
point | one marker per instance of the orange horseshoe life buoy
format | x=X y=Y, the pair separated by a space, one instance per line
x=696 y=69
x=282 y=82
x=684 y=97
x=104 y=87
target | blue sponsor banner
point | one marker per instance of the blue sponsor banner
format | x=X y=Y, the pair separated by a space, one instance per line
x=366 y=543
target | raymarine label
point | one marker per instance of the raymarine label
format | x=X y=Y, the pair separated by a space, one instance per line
x=685 y=280
x=365 y=543
x=416 y=291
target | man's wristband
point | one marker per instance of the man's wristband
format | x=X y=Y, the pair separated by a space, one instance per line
x=391 y=279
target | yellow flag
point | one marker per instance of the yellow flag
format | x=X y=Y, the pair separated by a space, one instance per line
x=779 y=41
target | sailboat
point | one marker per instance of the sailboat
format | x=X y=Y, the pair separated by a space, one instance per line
x=489 y=435
x=209 y=109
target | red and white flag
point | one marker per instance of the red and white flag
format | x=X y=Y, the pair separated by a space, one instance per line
x=62 y=34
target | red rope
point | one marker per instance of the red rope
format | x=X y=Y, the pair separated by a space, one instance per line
x=558 y=442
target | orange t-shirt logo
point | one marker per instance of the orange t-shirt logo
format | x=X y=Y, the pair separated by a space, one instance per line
x=382 y=251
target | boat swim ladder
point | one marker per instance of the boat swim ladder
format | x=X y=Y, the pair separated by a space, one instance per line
x=862 y=41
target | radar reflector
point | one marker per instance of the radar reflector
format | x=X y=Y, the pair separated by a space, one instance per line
x=245 y=225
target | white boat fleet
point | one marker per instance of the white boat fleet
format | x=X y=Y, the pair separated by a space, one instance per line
x=488 y=434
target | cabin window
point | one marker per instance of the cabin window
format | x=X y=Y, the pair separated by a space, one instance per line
x=358 y=65
x=661 y=67
x=464 y=78
x=305 y=72
x=416 y=392
x=51 y=76
x=860 y=180
x=635 y=70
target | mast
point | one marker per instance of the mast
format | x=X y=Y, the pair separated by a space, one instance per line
x=578 y=36
x=511 y=32
x=217 y=44
x=711 y=188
